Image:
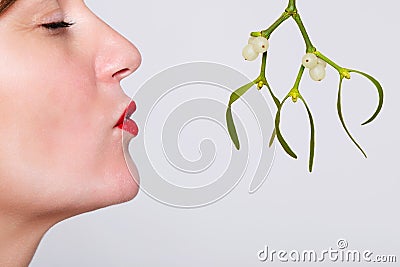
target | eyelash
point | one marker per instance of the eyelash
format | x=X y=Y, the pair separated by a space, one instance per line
x=59 y=25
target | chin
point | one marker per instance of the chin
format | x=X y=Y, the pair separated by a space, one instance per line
x=111 y=180
x=120 y=188
x=127 y=183
x=118 y=185
x=127 y=188
x=120 y=182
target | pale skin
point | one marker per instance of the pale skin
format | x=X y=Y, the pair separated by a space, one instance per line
x=60 y=98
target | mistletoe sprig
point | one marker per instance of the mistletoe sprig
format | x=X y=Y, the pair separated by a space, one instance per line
x=313 y=60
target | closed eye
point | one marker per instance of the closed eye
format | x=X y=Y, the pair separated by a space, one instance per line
x=57 y=25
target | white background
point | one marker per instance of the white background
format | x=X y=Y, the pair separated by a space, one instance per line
x=346 y=196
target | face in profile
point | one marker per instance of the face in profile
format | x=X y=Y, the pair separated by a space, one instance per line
x=61 y=150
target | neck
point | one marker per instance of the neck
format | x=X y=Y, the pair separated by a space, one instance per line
x=19 y=240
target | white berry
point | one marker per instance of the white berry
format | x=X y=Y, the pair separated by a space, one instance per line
x=261 y=44
x=310 y=60
x=318 y=73
x=251 y=40
x=321 y=62
x=249 y=52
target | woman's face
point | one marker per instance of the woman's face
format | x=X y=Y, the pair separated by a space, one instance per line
x=60 y=100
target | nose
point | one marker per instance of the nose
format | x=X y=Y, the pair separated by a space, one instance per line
x=116 y=56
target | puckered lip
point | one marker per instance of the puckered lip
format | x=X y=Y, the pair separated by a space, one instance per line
x=127 y=124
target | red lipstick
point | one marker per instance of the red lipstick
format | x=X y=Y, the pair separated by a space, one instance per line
x=127 y=124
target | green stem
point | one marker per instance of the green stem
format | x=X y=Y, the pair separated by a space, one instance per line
x=291 y=6
x=267 y=33
x=261 y=79
x=299 y=76
x=343 y=72
x=327 y=60
x=263 y=65
x=294 y=92
x=309 y=46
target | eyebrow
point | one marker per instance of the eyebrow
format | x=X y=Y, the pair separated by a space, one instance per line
x=4 y=5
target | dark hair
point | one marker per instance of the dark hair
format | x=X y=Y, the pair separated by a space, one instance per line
x=4 y=4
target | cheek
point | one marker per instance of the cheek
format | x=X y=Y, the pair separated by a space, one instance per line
x=52 y=109
x=56 y=140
